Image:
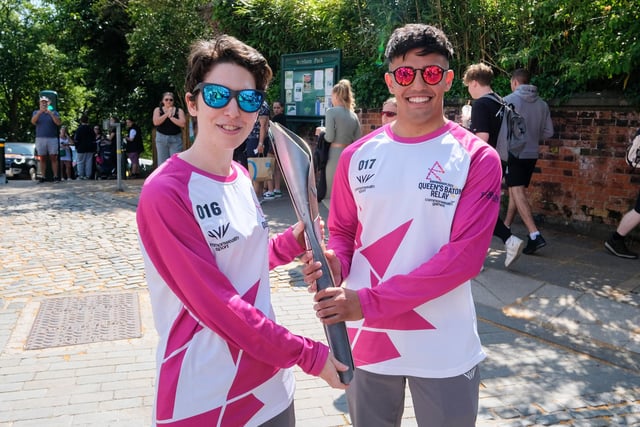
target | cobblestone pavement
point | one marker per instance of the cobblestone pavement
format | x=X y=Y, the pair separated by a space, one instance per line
x=79 y=238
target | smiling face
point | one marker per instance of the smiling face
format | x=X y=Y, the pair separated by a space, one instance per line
x=227 y=127
x=420 y=105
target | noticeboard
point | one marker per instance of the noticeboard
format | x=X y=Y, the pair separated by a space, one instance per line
x=307 y=81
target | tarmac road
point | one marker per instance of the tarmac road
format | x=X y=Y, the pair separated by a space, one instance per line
x=561 y=328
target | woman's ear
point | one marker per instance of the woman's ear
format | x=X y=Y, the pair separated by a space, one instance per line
x=191 y=101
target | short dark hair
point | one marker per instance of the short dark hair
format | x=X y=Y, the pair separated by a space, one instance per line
x=480 y=73
x=427 y=38
x=522 y=76
x=205 y=54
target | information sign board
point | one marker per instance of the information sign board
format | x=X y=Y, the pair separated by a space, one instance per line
x=307 y=81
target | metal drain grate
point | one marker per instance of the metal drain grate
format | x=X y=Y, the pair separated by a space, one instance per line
x=85 y=319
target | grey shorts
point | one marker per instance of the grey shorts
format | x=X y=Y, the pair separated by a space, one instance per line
x=47 y=146
x=378 y=400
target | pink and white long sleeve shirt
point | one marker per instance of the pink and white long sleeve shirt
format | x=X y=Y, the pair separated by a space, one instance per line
x=222 y=359
x=411 y=220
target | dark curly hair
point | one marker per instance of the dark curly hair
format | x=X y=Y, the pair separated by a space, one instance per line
x=427 y=38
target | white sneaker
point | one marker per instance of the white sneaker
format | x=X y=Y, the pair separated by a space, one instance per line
x=513 y=246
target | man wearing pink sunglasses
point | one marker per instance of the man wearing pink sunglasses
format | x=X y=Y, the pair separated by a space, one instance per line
x=411 y=217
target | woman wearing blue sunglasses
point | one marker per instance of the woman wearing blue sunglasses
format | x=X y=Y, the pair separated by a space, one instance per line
x=222 y=359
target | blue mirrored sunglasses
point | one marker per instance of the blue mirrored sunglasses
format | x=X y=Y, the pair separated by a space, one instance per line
x=218 y=96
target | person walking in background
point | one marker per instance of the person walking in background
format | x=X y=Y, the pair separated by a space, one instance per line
x=485 y=123
x=85 y=140
x=222 y=359
x=413 y=207
x=257 y=145
x=519 y=170
x=169 y=121
x=389 y=110
x=342 y=127
x=615 y=244
x=66 y=156
x=280 y=118
x=46 y=121
x=134 y=146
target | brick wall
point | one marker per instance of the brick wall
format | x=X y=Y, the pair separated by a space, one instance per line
x=581 y=180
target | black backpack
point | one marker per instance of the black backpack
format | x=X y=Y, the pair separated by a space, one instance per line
x=511 y=138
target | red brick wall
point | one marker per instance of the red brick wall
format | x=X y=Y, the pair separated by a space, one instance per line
x=581 y=179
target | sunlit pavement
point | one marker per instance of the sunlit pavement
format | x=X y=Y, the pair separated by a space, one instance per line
x=561 y=328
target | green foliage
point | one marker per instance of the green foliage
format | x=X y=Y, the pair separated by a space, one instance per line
x=116 y=57
x=31 y=62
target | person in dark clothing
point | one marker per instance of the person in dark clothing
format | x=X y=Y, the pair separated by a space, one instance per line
x=85 y=139
x=134 y=146
x=485 y=123
x=169 y=119
x=281 y=119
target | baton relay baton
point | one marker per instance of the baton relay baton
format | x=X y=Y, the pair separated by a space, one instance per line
x=296 y=162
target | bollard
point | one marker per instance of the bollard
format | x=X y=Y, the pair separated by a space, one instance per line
x=3 y=173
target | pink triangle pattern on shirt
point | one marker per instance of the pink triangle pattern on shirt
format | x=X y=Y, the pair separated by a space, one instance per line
x=380 y=253
x=251 y=295
x=248 y=379
x=408 y=321
x=239 y=413
x=375 y=346
x=209 y=418
x=182 y=332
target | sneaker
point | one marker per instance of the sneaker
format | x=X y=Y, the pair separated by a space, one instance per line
x=268 y=196
x=41 y=180
x=56 y=179
x=513 y=246
x=277 y=193
x=619 y=249
x=534 y=245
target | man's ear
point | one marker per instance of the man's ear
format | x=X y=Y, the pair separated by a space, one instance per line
x=448 y=78
x=388 y=79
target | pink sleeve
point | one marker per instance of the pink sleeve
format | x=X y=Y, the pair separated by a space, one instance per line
x=343 y=220
x=174 y=243
x=283 y=248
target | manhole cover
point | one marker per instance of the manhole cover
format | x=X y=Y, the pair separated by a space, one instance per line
x=86 y=319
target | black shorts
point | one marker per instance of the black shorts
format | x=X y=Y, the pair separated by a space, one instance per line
x=519 y=171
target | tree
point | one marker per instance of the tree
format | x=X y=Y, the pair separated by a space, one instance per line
x=28 y=63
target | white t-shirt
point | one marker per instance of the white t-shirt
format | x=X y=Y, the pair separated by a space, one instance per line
x=222 y=359
x=411 y=220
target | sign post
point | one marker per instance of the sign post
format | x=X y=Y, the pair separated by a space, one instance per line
x=307 y=81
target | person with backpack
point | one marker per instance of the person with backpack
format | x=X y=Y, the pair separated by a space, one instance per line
x=485 y=124
x=535 y=111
